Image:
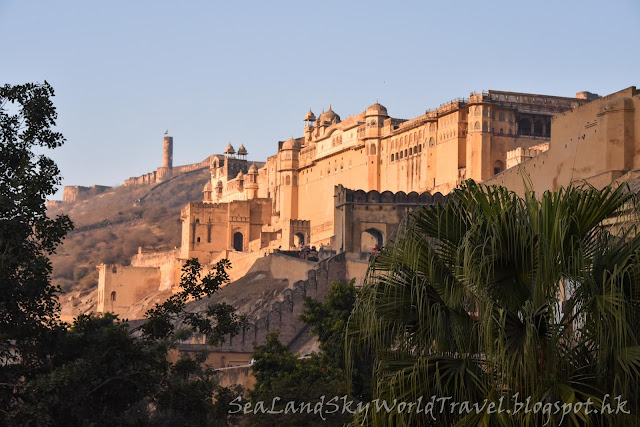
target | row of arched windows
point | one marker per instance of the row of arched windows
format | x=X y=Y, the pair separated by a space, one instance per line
x=485 y=128
x=407 y=139
x=406 y=153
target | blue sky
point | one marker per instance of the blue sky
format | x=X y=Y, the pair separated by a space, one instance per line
x=247 y=72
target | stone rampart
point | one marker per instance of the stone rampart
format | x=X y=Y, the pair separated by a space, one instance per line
x=72 y=193
x=283 y=315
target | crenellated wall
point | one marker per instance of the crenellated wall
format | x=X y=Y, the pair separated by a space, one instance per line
x=283 y=315
x=365 y=219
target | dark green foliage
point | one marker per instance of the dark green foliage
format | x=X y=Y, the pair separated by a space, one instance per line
x=280 y=373
x=218 y=319
x=28 y=303
x=328 y=320
x=100 y=374
x=464 y=302
x=98 y=371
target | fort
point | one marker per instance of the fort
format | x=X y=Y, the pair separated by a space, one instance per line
x=346 y=185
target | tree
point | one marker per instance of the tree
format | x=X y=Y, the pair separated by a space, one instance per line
x=102 y=372
x=328 y=320
x=99 y=371
x=489 y=294
x=28 y=302
x=281 y=374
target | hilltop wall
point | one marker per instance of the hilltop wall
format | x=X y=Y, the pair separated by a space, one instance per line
x=162 y=173
x=72 y=193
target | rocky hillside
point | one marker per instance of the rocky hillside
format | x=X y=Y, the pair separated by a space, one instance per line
x=109 y=228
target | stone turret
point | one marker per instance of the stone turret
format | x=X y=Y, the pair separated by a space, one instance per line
x=229 y=151
x=166 y=170
x=242 y=152
x=309 y=120
x=251 y=182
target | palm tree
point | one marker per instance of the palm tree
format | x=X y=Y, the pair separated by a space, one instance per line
x=489 y=295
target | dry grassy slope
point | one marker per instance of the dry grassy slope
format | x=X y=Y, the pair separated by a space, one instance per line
x=111 y=226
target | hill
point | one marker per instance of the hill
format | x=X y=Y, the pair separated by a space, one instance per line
x=109 y=228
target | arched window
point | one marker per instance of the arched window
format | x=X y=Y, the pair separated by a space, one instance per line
x=238 y=241
x=501 y=131
x=392 y=157
x=405 y=152
x=485 y=126
x=372 y=149
x=401 y=154
x=198 y=240
x=113 y=296
x=287 y=180
x=410 y=150
x=410 y=138
x=432 y=142
x=501 y=116
x=419 y=148
x=498 y=167
x=476 y=126
x=370 y=238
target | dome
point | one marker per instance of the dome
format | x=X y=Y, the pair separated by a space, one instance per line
x=376 y=110
x=330 y=116
x=242 y=151
x=290 y=144
x=229 y=149
x=240 y=175
x=208 y=186
x=253 y=169
x=310 y=117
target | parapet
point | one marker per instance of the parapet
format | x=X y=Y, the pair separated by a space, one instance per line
x=347 y=196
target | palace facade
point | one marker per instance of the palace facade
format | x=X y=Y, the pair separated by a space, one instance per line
x=345 y=185
x=289 y=199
